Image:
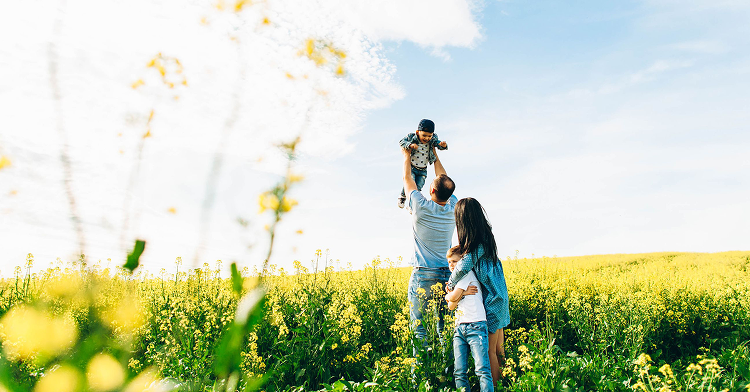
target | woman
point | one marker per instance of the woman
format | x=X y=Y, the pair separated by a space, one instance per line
x=477 y=244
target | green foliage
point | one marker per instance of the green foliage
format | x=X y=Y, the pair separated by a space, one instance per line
x=134 y=257
x=577 y=325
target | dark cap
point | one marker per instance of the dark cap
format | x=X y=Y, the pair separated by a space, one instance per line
x=426 y=125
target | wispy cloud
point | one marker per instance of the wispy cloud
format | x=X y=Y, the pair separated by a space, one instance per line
x=701 y=46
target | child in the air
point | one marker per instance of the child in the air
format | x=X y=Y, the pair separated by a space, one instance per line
x=421 y=144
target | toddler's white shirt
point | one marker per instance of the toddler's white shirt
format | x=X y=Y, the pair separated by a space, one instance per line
x=471 y=307
x=419 y=156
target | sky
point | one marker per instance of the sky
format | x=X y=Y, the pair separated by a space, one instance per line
x=582 y=128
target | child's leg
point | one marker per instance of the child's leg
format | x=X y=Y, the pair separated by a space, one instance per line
x=460 y=359
x=476 y=335
x=419 y=177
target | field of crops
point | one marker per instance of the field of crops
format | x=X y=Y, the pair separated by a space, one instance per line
x=658 y=321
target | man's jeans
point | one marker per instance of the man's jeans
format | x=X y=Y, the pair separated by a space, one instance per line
x=422 y=278
x=419 y=176
x=472 y=337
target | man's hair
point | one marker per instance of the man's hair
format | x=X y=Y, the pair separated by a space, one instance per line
x=444 y=187
x=453 y=251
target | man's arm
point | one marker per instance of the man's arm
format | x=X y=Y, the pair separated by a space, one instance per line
x=439 y=169
x=409 y=184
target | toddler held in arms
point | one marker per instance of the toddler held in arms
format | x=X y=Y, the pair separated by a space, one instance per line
x=470 y=335
x=421 y=143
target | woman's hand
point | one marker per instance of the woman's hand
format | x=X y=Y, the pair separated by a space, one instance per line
x=471 y=290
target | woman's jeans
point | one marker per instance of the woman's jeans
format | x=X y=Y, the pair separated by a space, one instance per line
x=472 y=337
x=419 y=177
x=424 y=279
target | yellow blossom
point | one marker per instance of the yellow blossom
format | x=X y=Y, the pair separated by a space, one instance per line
x=126 y=316
x=268 y=200
x=4 y=162
x=60 y=379
x=287 y=204
x=65 y=286
x=29 y=332
x=240 y=4
x=144 y=382
x=137 y=84
x=104 y=373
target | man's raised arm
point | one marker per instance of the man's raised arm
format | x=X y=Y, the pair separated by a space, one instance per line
x=439 y=169
x=409 y=184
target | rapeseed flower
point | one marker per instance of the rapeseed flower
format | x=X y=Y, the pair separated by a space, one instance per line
x=63 y=378
x=104 y=373
x=27 y=332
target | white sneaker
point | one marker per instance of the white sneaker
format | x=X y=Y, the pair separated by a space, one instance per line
x=401 y=202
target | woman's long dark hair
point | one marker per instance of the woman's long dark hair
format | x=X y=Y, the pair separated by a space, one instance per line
x=474 y=229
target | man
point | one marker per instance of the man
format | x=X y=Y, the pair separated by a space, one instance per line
x=433 y=223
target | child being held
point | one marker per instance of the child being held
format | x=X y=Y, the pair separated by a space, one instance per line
x=421 y=144
x=470 y=334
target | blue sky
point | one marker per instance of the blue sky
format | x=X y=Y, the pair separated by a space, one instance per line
x=582 y=127
x=590 y=127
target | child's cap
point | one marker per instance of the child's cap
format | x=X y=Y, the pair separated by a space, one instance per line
x=426 y=126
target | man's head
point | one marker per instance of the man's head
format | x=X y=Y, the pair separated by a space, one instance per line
x=442 y=188
x=453 y=257
x=425 y=130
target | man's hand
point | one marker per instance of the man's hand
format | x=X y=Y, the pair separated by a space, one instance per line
x=413 y=146
x=444 y=144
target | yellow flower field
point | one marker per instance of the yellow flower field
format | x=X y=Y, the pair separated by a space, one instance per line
x=657 y=321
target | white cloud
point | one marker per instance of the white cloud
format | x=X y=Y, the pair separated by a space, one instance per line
x=702 y=46
x=430 y=23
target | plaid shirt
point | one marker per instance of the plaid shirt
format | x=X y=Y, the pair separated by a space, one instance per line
x=491 y=277
x=413 y=139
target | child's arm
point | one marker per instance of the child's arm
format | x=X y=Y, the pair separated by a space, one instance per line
x=407 y=141
x=435 y=142
x=453 y=297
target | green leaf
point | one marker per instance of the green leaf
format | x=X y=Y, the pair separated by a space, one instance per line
x=134 y=256
x=236 y=279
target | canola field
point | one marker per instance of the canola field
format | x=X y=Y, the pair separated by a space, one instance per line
x=648 y=322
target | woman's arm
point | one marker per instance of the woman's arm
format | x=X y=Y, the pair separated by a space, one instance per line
x=463 y=267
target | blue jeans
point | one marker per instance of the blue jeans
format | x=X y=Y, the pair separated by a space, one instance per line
x=472 y=337
x=419 y=176
x=424 y=279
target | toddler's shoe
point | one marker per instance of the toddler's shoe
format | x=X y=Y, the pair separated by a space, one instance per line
x=401 y=202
